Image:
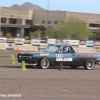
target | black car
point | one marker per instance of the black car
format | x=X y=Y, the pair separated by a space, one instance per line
x=53 y=55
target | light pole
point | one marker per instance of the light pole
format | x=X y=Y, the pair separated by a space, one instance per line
x=98 y=26
x=48 y=4
x=0 y=19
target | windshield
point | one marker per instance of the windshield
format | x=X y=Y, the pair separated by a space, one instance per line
x=52 y=48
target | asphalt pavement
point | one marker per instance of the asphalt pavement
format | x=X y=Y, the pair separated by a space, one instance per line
x=46 y=84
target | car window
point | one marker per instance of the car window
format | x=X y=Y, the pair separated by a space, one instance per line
x=67 y=49
x=52 y=48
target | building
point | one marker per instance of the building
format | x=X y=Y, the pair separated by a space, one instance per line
x=19 y=22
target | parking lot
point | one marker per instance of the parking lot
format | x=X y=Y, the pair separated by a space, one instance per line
x=47 y=84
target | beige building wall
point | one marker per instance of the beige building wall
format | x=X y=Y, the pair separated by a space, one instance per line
x=47 y=16
x=52 y=16
x=87 y=17
x=59 y=16
x=23 y=14
x=16 y=13
x=39 y=16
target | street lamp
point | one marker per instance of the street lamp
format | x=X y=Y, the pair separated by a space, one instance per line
x=98 y=26
x=0 y=19
x=48 y=4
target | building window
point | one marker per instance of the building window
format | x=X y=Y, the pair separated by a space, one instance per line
x=18 y=21
x=49 y=22
x=3 y=20
x=55 y=22
x=94 y=25
x=12 y=21
x=28 y=22
x=43 y=21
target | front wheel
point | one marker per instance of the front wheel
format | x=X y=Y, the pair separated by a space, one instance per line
x=89 y=65
x=44 y=63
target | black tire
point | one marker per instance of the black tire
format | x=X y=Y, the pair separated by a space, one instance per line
x=74 y=67
x=44 y=63
x=89 y=65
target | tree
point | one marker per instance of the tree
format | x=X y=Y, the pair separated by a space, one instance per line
x=8 y=35
x=1 y=33
x=95 y=35
x=72 y=28
x=35 y=34
x=50 y=31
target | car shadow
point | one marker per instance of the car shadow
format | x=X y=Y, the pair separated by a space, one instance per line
x=66 y=68
x=55 y=67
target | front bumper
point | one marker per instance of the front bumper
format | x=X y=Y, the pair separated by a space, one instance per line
x=27 y=64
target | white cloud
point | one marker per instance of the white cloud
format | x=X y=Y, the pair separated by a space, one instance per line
x=80 y=2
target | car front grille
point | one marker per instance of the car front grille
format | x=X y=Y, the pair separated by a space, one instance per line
x=24 y=56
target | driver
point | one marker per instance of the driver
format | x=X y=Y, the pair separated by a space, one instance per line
x=66 y=49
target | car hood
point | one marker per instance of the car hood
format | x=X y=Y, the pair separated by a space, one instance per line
x=32 y=53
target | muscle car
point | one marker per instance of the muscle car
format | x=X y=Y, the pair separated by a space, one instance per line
x=55 y=54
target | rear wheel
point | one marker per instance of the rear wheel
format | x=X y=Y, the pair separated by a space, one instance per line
x=89 y=65
x=74 y=67
x=44 y=63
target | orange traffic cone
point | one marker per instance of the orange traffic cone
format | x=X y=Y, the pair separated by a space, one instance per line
x=27 y=49
x=61 y=66
x=16 y=51
x=39 y=49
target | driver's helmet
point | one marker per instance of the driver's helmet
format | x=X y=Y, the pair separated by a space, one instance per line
x=65 y=49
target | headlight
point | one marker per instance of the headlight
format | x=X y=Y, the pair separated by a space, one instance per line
x=30 y=57
x=19 y=56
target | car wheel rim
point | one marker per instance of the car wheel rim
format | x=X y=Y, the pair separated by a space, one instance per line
x=90 y=65
x=45 y=63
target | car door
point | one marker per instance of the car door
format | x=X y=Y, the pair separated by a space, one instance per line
x=68 y=57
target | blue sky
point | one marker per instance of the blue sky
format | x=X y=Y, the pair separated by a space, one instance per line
x=88 y=6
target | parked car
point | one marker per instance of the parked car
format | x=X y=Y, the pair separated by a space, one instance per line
x=53 y=55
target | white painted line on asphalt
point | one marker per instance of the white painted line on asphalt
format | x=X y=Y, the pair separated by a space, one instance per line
x=8 y=70
x=7 y=58
x=8 y=62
